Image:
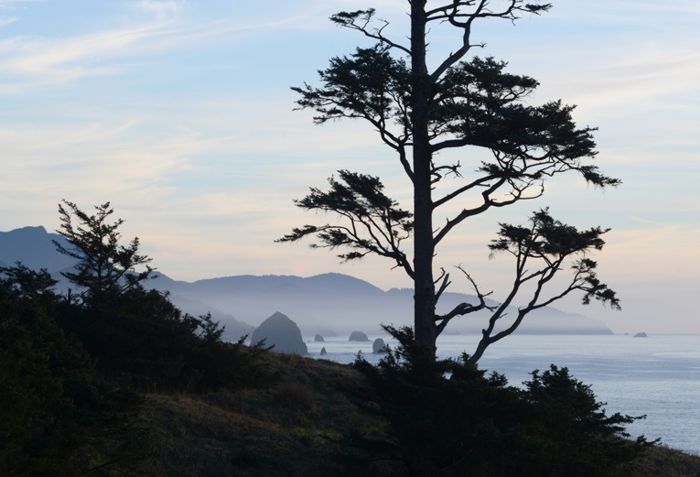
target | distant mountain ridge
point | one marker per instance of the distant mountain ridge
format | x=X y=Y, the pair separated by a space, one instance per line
x=33 y=247
x=335 y=303
x=329 y=303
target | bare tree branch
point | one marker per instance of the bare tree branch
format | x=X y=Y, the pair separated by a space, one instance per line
x=463 y=308
x=360 y=20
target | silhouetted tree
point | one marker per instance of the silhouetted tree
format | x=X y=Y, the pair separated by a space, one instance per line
x=105 y=268
x=210 y=330
x=419 y=113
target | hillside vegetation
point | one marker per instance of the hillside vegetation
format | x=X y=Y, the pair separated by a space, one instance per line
x=114 y=380
x=296 y=426
x=162 y=411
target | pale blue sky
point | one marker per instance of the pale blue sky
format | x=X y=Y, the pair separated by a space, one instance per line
x=180 y=113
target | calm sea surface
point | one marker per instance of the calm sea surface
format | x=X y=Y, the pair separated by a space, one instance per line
x=658 y=376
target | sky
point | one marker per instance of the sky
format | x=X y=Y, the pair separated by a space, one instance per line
x=180 y=113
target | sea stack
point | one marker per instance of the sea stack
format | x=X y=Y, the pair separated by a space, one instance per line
x=378 y=346
x=358 y=336
x=281 y=333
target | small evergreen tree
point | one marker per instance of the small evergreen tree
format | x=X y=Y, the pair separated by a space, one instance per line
x=105 y=268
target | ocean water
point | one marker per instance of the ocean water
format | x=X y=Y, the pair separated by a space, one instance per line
x=657 y=376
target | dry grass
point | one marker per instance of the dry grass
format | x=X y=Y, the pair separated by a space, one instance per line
x=291 y=427
x=664 y=462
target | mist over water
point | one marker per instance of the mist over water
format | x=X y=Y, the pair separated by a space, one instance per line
x=658 y=376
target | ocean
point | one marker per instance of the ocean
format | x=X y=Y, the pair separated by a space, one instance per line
x=658 y=376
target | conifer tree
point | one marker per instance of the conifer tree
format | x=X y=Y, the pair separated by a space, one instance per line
x=105 y=268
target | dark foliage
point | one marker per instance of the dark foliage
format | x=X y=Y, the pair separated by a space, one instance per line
x=449 y=418
x=52 y=402
x=375 y=223
x=143 y=340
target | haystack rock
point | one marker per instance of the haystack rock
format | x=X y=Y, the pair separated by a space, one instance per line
x=358 y=336
x=281 y=333
x=640 y=335
x=319 y=339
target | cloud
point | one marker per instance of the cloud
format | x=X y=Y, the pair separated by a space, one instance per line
x=161 y=8
x=6 y=4
x=631 y=8
x=57 y=60
x=30 y=61
x=640 y=81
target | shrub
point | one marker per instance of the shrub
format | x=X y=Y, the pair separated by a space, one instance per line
x=51 y=399
x=448 y=418
x=144 y=341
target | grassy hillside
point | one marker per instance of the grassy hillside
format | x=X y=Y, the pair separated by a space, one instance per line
x=296 y=425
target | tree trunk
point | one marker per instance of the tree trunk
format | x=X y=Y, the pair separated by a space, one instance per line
x=424 y=287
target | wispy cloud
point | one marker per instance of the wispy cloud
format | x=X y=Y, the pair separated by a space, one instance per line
x=28 y=61
x=161 y=8
x=638 y=81
x=6 y=4
x=636 y=8
x=51 y=60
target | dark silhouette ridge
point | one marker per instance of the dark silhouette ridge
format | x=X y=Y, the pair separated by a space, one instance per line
x=421 y=113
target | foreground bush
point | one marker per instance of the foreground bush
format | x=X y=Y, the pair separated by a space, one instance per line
x=52 y=402
x=449 y=418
